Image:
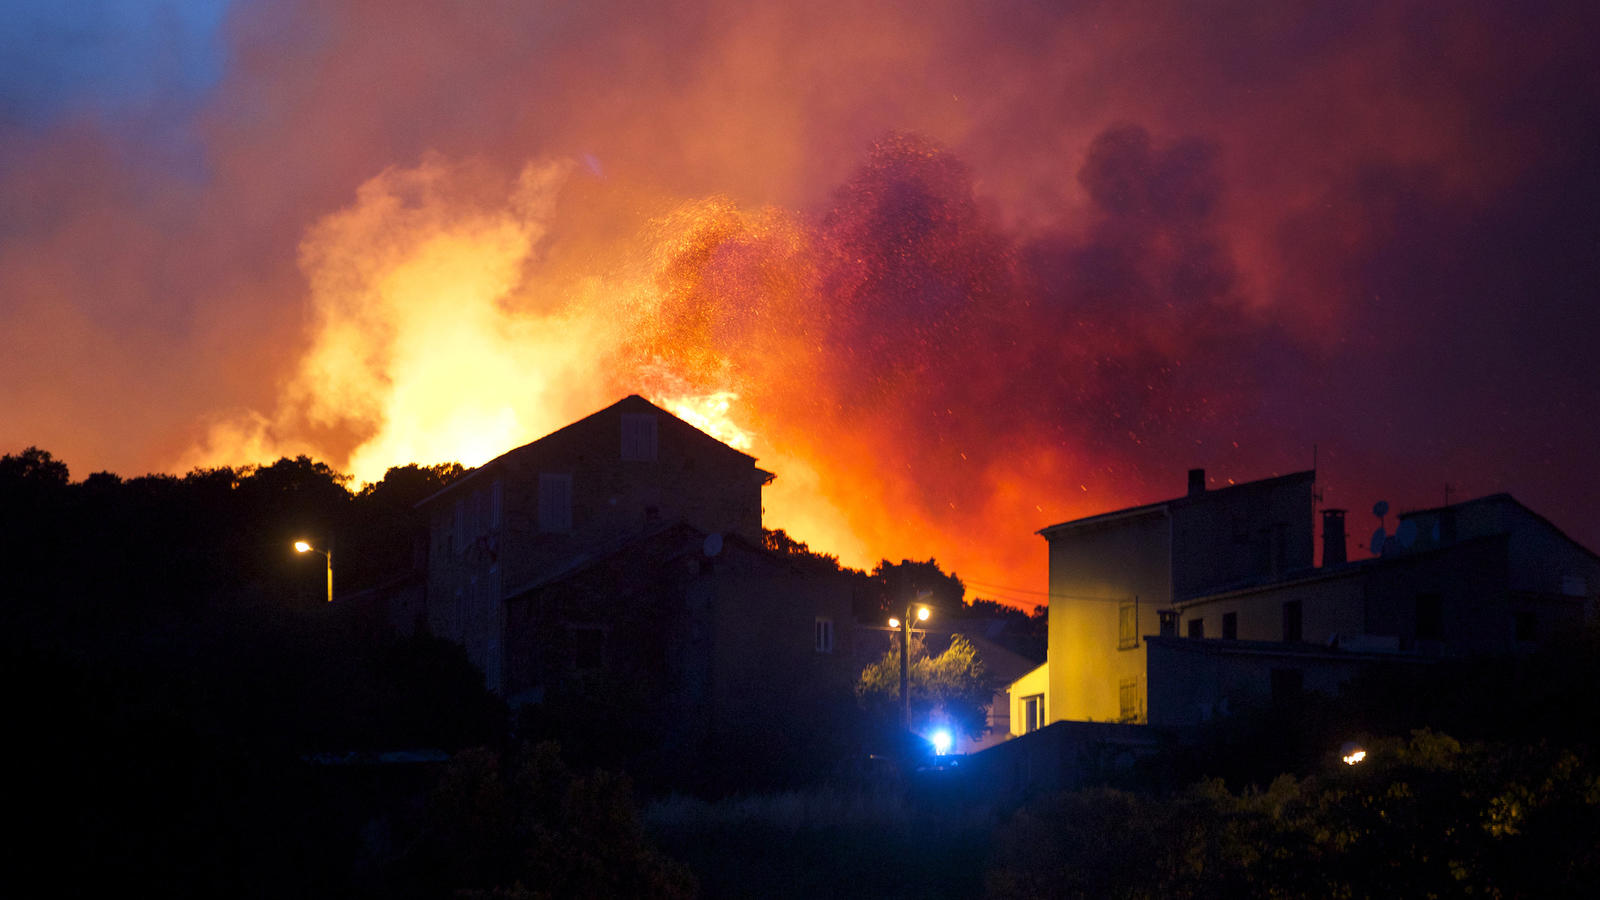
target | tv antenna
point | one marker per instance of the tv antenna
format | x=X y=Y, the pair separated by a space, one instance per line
x=1379 y=509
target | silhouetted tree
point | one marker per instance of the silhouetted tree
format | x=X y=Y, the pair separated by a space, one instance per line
x=895 y=585
x=32 y=466
x=382 y=539
x=778 y=541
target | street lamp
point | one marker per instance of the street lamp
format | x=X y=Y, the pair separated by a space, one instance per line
x=904 y=624
x=304 y=547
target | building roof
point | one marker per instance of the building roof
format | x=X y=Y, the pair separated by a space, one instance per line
x=1351 y=568
x=633 y=403
x=1506 y=499
x=1159 y=507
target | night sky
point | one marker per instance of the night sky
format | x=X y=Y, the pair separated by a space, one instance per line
x=955 y=271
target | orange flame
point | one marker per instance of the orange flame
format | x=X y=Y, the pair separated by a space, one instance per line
x=446 y=326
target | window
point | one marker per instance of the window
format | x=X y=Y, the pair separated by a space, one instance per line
x=1169 y=622
x=555 y=502
x=1291 y=621
x=1230 y=626
x=1128 y=626
x=1032 y=709
x=497 y=504
x=639 y=437
x=1430 y=617
x=1128 y=700
x=1197 y=628
x=824 y=635
x=1574 y=586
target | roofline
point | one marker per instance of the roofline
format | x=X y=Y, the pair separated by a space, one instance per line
x=1484 y=499
x=1328 y=573
x=1162 y=505
x=574 y=424
x=1504 y=497
x=1132 y=512
x=466 y=477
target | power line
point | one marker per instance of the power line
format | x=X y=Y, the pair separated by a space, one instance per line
x=1048 y=595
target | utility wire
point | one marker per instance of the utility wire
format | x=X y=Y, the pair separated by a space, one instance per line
x=1049 y=595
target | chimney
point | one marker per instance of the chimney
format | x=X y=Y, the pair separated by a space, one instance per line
x=1197 y=481
x=1333 y=544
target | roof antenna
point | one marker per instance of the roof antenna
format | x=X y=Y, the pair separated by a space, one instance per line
x=1447 y=492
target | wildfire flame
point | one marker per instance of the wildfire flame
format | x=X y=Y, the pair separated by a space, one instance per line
x=861 y=355
x=711 y=413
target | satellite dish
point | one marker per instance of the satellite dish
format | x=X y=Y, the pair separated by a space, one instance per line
x=713 y=544
x=1377 y=542
x=1381 y=508
x=1406 y=534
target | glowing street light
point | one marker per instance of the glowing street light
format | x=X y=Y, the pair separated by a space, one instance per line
x=922 y=613
x=1352 y=753
x=305 y=547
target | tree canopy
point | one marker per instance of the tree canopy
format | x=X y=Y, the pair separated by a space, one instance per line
x=954 y=687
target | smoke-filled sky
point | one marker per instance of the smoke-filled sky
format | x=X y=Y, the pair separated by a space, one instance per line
x=954 y=271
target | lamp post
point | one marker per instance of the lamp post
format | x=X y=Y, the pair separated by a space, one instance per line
x=304 y=547
x=904 y=624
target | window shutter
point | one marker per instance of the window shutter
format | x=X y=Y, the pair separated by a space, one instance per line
x=555 y=502
x=639 y=437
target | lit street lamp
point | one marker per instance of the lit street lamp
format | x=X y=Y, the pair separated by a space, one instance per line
x=304 y=547
x=904 y=624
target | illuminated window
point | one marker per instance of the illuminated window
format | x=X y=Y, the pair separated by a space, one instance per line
x=555 y=502
x=639 y=437
x=1032 y=709
x=1127 y=626
x=1128 y=700
x=824 y=635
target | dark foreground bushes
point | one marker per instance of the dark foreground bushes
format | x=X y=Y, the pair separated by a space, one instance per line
x=1424 y=817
